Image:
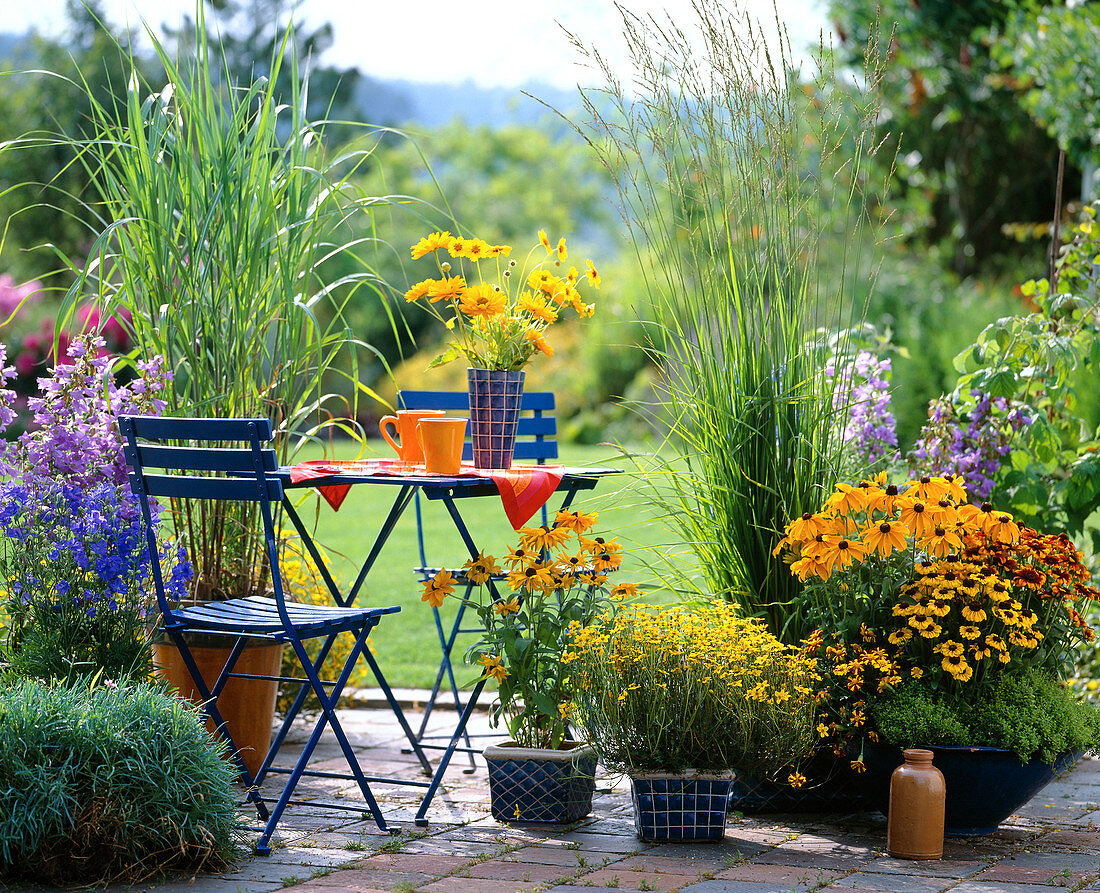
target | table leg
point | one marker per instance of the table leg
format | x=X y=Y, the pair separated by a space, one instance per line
x=421 y=820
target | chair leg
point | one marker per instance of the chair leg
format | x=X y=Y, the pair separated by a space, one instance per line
x=328 y=716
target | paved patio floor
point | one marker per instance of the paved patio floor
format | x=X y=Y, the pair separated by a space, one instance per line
x=1052 y=842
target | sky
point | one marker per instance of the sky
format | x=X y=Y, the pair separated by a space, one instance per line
x=494 y=43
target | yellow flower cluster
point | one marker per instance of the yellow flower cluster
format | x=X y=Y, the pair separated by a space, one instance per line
x=928 y=516
x=500 y=324
x=702 y=673
x=962 y=613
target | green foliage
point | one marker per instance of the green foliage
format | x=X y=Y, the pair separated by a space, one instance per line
x=108 y=785
x=221 y=206
x=970 y=158
x=1029 y=713
x=45 y=195
x=1053 y=481
x=731 y=181
x=1049 y=52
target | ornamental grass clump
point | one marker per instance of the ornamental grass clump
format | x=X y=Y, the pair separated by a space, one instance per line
x=745 y=190
x=557 y=582
x=500 y=321
x=112 y=784
x=669 y=689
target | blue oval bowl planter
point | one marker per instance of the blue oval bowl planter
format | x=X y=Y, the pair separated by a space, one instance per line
x=528 y=784
x=985 y=785
x=688 y=807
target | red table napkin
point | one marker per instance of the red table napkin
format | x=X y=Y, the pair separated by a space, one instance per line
x=523 y=488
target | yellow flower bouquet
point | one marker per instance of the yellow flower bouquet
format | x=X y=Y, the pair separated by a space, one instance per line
x=498 y=309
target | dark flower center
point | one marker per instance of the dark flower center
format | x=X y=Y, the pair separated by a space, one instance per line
x=884 y=527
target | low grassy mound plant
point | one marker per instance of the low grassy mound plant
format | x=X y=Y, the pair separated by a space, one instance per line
x=109 y=784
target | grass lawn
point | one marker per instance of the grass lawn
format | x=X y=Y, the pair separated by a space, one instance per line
x=407 y=644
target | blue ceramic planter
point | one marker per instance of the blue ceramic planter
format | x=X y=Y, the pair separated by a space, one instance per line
x=680 y=807
x=527 y=784
x=495 y=398
x=985 y=785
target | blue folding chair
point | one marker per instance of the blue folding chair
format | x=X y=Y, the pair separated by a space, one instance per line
x=536 y=438
x=192 y=459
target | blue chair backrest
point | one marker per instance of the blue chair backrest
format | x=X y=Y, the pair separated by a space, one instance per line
x=199 y=462
x=536 y=434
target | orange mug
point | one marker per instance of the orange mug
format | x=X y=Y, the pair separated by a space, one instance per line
x=404 y=426
x=441 y=440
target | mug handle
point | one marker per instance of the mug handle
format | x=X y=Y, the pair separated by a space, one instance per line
x=382 y=427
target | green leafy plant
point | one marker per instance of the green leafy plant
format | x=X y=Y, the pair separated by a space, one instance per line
x=1028 y=712
x=665 y=689
x=731 y=174
x=219 y=205
x=109 y=785
x=1052 y=478
x=556 y=577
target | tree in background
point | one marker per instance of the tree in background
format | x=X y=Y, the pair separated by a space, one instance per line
x=971 y=157
x=45 y=198
x=1049 y=51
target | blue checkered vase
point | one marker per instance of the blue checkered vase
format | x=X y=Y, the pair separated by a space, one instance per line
x=528 y=784
x=688 y=807
x=495 y=398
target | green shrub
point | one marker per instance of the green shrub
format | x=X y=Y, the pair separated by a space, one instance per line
x=109 y=784
x=1029 y=713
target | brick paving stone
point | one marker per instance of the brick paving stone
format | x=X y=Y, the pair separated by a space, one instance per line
x=892 y=883
x=551 y=855
x=516 y=871
x=1043 y=868
x=476 y=885
x=973 y=886
x=1071 y=837
x=371 y=879
x=948 y=868
x=717 y=886
x=693 y=861
x=794 y=878
x=424 y=863
x=627 y=880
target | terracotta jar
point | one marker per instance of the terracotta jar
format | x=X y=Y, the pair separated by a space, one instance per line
x=914 y=827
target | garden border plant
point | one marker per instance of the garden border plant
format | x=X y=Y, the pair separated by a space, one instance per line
x=727 y=218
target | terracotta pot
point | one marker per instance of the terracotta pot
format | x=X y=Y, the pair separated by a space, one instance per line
x=246 y=705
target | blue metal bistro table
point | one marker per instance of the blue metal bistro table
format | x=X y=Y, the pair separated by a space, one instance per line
x=450 y=491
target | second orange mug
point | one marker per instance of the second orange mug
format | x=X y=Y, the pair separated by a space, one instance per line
x=404 y=426
x=441 y=440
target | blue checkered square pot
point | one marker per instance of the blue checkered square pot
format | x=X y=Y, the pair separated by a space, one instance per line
x=495 y=398
x=688 y=807
x=529 y=784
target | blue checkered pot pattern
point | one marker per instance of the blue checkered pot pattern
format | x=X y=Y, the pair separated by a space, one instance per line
x=528 y=784
x=686 y=807
x=495 y=398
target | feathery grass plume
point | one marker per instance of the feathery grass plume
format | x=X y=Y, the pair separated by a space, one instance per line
x=747 y=196
x=221 y=209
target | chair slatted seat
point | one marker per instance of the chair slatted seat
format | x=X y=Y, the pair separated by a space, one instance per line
x=206 y=466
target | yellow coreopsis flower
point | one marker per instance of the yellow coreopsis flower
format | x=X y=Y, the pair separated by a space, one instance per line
x=449 y=289
x=539 y=340
x=544 y=241
x=482 y=301
x=538 y=307
x=493 y=667
x=562 y=253
x=592 y=275
x=419 y=290
x=432 y=242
